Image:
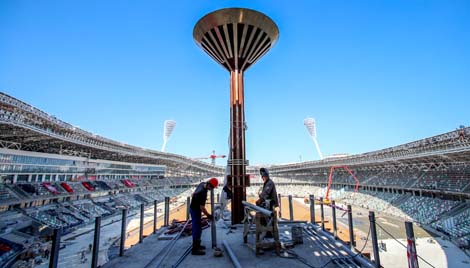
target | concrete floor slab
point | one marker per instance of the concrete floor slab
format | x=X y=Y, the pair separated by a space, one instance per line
x=151 y=252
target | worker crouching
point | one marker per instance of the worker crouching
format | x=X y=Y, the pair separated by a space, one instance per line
x=268 y=196
x=197 y=207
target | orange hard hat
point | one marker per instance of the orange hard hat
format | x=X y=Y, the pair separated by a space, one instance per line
x=214 y=182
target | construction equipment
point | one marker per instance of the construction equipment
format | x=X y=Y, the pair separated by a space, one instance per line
x=330 y=181
x=212 y=157
x=265 y=221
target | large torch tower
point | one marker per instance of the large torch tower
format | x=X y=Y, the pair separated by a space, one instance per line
x=236 y=38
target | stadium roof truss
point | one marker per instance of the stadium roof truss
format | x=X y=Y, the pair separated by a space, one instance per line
x=435 y=153
x=24 y=127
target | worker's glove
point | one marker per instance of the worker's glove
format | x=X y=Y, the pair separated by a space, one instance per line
x=210 y=217
x=259 y=202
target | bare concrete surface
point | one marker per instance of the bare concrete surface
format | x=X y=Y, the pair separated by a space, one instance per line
x=438 y=253
x=141 y=255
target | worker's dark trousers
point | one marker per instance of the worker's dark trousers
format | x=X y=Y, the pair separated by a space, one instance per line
x=196 y=222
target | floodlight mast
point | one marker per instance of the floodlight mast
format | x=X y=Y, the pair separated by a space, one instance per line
x=236 y=38
x=312 y=131
x=168 y=127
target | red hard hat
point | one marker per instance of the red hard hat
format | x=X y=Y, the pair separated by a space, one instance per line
x=214 y=182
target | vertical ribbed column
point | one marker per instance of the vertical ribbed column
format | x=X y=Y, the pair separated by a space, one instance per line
x=236 y=38
x=237 y=145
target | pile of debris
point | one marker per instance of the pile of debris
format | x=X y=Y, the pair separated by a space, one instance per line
x=176 y=226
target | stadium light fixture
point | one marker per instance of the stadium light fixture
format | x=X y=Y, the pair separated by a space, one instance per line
x=168 y=127
x=312 y=131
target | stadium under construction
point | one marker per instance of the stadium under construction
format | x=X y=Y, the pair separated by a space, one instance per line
x=71 y=198
x=55 y=176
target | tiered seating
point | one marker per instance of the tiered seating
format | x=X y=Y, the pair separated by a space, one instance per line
x=90 y=210
x=393 y=179
x=450 y=181
x=113 y=184
x=52 y=188
x=143 y=198
x=278 y=180
x=159 y=182
x=8 y=251
x=464 y=242
x=28 y=188
x=63 y=215
x=381 y=202
x=78 y=187
x=77 y=213
x=46 y=219
x=456 y=226
x=99 y=185
x=425 y=209
x=5 y=195
x=127 y=201
x=56 y=216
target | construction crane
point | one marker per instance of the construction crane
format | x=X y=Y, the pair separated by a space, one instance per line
x=330 y=180
x=212 y=157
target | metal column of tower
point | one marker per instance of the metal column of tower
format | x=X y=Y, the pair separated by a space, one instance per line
x=236 y=38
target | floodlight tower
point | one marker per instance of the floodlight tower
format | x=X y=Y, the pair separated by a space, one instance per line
x=312 y=131
x=236 y=38
x=168 y=127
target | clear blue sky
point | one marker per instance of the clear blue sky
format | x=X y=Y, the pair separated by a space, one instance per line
x=373 y=73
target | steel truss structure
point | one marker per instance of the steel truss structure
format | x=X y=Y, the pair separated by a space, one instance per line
x=438 y=153
x=25 y=127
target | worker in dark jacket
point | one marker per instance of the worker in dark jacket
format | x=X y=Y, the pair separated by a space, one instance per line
x=269 y=191
x=198 y=203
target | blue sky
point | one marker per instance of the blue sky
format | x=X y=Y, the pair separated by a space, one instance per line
x=372 y=73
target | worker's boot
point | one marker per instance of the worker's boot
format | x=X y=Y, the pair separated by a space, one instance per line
x=197 y=250
x=201 y=246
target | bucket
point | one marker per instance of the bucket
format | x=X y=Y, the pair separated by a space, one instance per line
x=297 y=237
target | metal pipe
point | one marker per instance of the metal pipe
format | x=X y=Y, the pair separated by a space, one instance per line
x=291 y=222
x=312 y=208
x=352 y=243
x=96 y=242
x=375 y=245
x=55 y=248
x=232 y=256
x=213 y=231
x=141 y=229
x=188 y=203
x=322 y=213
x=358 y=257
x=167 y=211
x=154 y=216
x=328 y=244
x=333 y=210
x=168 y=249
x=411 y=246
x=258 y=209
x=181 y=259
x=123 y=232
x=291 y=210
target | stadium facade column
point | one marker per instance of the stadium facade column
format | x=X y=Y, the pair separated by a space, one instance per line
x=236 y=38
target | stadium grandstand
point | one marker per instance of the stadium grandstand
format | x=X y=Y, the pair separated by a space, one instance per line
x=54 y=175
